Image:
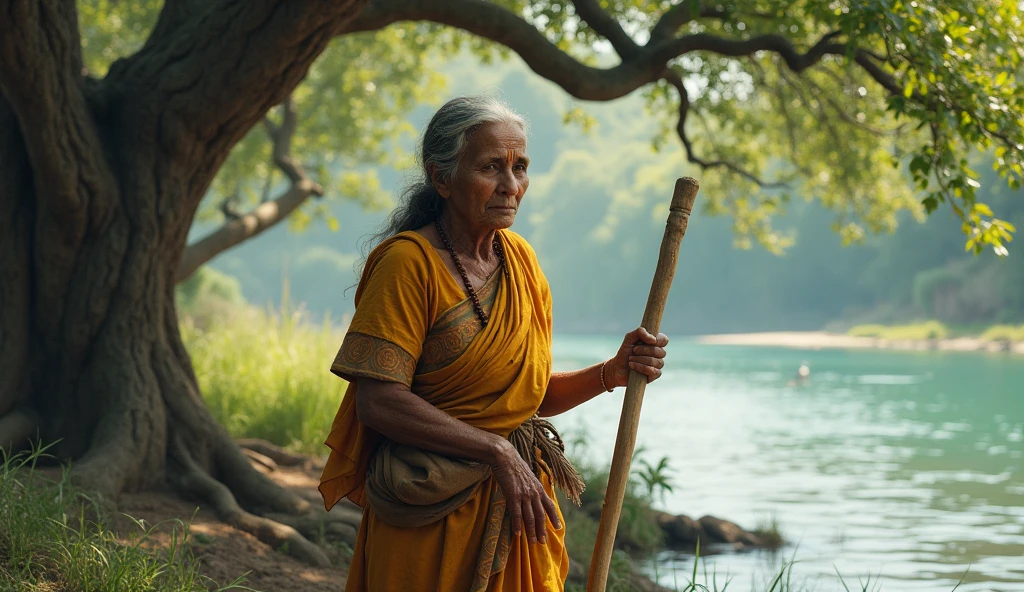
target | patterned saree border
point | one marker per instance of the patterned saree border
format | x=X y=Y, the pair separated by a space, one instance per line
x=456 y=328
x=374 y=357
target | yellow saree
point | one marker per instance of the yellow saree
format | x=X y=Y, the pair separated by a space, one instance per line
x=414 y=325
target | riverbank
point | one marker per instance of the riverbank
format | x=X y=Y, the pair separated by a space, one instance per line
x=159 y=541
x=827 y=340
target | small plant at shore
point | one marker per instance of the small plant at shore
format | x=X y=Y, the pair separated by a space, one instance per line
x=50 y=541
x=769 y=532
x=656 y=479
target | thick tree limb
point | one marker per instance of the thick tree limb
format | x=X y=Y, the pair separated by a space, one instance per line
x=679 y=15
x=500 y=25
x=607 y=26
x=583 y=82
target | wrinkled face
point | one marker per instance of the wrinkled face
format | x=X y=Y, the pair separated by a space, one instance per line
x=491 y=180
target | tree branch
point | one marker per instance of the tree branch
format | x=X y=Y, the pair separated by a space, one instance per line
x=638 y=68
x=778 y=44
x=261 y=217
x=866 y=61
x=607 y=26
x=679 y=15
x=281 y=135
x=266 y=214
x=500 y=25
x=676 y=81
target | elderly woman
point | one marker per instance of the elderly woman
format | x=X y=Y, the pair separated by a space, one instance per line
x=448 y=358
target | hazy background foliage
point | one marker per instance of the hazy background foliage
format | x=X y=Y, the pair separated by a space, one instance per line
x=595 y=211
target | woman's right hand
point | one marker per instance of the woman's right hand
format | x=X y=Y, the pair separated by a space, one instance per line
x=525 y=497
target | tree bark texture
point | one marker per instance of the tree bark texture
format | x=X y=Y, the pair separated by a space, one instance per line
x=99 y=183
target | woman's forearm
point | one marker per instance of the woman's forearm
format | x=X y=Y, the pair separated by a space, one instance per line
x=396 y=412
x=569 y=389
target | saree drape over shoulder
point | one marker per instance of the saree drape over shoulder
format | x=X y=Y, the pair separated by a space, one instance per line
x=414 y=325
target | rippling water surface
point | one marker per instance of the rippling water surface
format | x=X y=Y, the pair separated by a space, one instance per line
x=899 y=465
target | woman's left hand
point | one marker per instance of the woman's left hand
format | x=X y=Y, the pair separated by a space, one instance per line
x=639 y=351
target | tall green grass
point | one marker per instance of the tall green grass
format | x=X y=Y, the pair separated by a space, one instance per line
x=49 y=541
x=265 y=374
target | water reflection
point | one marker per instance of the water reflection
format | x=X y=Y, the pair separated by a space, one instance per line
x=907 y=465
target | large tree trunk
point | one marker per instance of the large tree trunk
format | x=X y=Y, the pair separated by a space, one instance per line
x=99 y=182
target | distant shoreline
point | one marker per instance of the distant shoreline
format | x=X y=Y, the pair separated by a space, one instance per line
x=826 y=340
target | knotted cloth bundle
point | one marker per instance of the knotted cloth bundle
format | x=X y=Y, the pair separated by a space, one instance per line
x=410 y=487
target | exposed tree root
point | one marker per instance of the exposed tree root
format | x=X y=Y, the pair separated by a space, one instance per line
x=189 y=478
x=256 y=489
x=261 y=460
x=279 y=455
x=319 y=525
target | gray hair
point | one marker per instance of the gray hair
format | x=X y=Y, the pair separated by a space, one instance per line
x=443 y=145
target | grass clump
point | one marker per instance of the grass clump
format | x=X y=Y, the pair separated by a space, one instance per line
x=47 y=541
x=638 y=533
x=769 y=532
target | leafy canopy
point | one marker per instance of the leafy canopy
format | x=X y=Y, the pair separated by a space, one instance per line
x=908 y=89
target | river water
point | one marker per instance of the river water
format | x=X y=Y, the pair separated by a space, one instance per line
x=902 y=467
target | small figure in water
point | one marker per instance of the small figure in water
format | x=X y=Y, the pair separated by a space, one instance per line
x=803 y=374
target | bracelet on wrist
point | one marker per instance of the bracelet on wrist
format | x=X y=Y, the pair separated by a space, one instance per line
x=604 y=384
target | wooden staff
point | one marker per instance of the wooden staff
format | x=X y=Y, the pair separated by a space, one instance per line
x=679 y=213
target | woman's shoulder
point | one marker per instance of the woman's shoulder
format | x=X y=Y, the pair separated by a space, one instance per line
x=404 y=251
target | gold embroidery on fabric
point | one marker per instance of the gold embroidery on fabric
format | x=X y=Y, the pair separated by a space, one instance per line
x=455 y=329
x=496 y=545
x=373 y=357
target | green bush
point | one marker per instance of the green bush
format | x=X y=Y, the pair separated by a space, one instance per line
x=918 y=331
x=1009 y=333
x=867 y=331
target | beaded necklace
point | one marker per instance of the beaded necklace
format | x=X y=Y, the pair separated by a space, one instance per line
x=498 y=250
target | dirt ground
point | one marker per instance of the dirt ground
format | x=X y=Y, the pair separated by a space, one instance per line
x=226 y=553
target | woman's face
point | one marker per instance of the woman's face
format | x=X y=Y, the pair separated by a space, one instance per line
x=491 y=180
